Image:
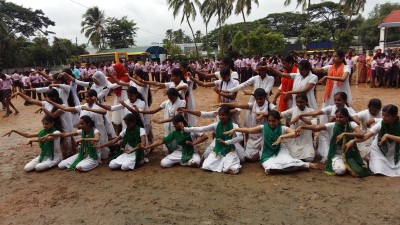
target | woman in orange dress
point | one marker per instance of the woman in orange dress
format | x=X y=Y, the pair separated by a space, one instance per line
x=285 y=102
x=362 y=68
x=369 y=59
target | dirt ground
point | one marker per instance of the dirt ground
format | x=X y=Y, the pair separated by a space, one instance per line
x=180 y=195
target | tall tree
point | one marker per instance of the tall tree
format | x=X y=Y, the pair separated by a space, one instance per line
x=93 y=26
x=368 y=32
x=188 y=10
x=17 y=24
x=222 y=9
x=244 y=5
x=198 y=36
x=305 y=5
x=287 y=23
x=178 y=36
x=40 y=51
x=239 y=42
x=329 y=15
x=206 y=14
x=169 y=34
x=352 y=8
x=120 y=33
x=16 y=19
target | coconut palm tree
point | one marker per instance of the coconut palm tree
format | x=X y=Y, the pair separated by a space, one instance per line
x=198 y=36
x=351 y=8
x=206 y=14
x=242 y=5
x=169 y=35
x=222 y=9
x=188 y=10
x=304 y=3
x=93 y=26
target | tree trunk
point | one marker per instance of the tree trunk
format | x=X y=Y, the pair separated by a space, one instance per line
x=208 y=55
x=246 y=33
x=194 y=38
x=220 y=36
x=348 y=22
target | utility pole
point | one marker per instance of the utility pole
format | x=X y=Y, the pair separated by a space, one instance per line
x=77 y=52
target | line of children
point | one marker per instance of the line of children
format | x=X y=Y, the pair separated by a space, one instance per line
x=336 y=139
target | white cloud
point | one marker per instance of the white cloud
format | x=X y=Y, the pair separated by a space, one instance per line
x=151 y=16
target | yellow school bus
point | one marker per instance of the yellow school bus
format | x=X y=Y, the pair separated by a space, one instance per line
x=114 y=57
x=140 y=57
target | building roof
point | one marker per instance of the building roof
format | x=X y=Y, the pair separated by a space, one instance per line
x=391 y=20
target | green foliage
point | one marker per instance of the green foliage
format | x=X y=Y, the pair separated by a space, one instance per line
x=368 y=31
x=188 y=10
x=120 y=33
x=239 y=42
x=314 y=32
x=259 y=40
x=222 y=9
x=16 y=19
x=65 y=51
x=344 y=40
x=39 y=50
x=329 y=15
x=179 y=36
x=288 y=24
x=244 y=5
x=171 y=48
x=93 y=26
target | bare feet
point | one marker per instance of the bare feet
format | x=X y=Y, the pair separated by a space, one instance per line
x=231 y=172
x=314 y=166
x=16 y=112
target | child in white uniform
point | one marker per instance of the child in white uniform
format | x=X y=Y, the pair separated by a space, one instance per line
x=301 y=147
x=132 y=147
x=340 y=99
x=50 y=154
x=258 y=109
x=88 y=157
x=339 y=160
x=180 y=145
x=275 y=156
x=374 y=111
x=385 y=148
x=224 y=157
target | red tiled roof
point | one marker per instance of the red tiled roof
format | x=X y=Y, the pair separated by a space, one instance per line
x=393 y=17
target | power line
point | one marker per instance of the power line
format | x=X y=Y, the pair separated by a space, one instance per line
x=79 y=4
x=150 y=32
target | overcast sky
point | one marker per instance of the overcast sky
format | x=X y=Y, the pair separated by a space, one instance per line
x=151 y=16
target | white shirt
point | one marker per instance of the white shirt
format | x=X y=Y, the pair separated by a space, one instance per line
x=329 y=130
x=301 y=82
x=364 y=116
x=226 y=86
x=142 y=132
x=257 y=82
x=345 y=87
x=236 y=138
x=95 y=131
x=331 y=109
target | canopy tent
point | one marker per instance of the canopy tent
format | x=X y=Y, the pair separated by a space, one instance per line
x=391 y=20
